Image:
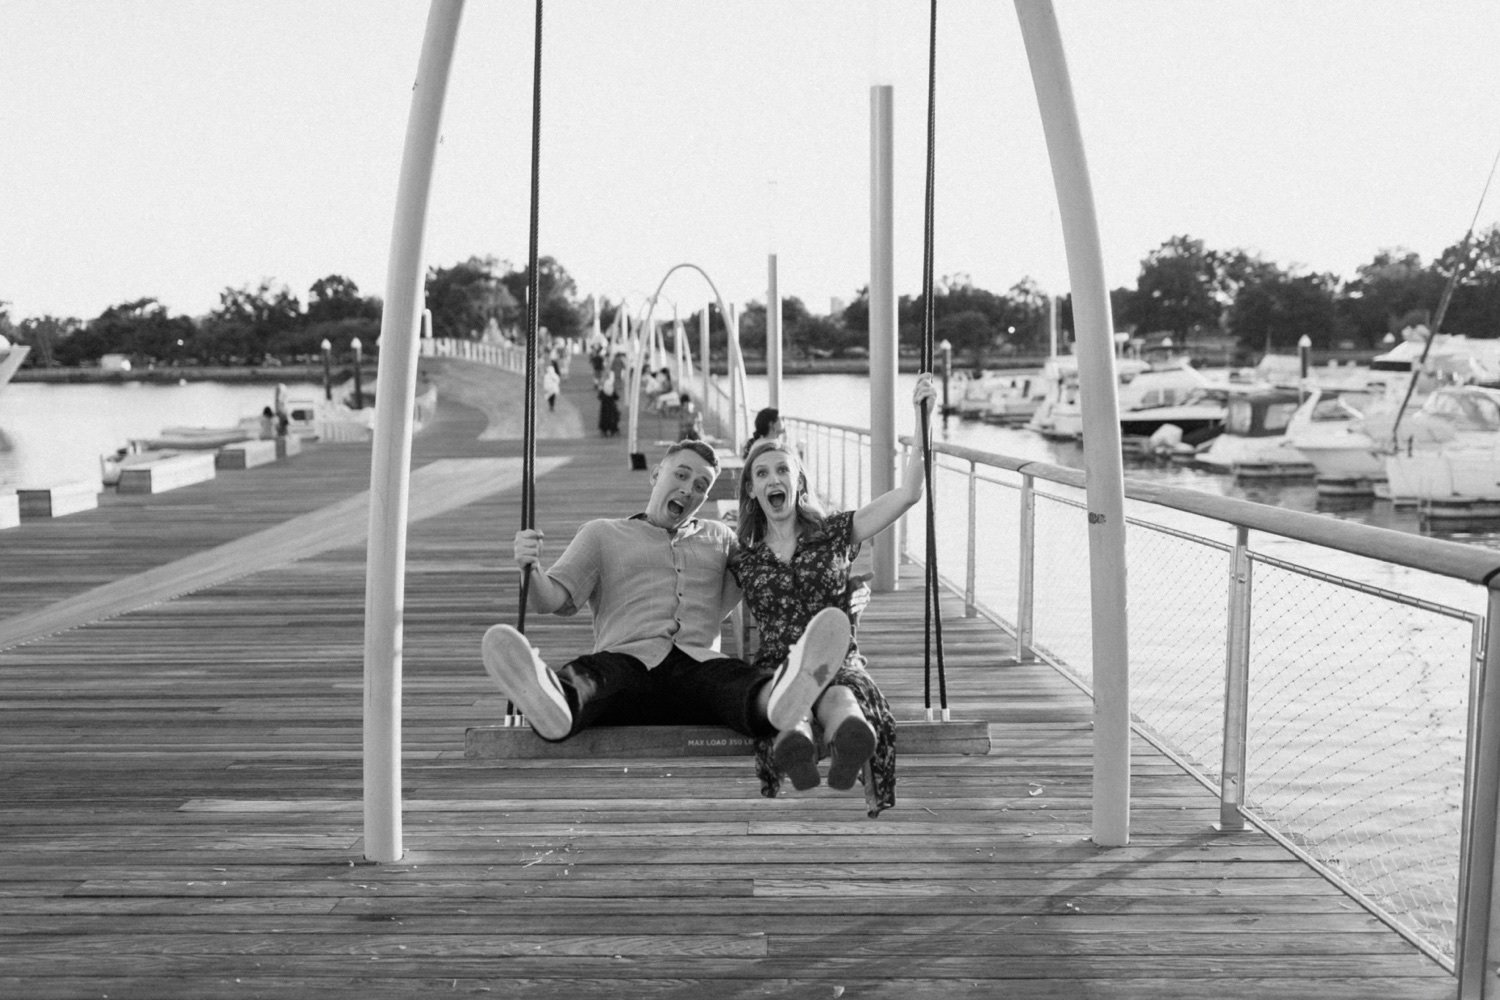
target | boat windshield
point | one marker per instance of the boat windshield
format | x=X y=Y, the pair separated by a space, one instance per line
x=1466 y=409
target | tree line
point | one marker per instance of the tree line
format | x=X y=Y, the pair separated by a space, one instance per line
x=1184 y=289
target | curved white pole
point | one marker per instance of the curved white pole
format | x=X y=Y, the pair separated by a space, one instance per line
x=390 y=463
x=1104 y=468
x=636 y=458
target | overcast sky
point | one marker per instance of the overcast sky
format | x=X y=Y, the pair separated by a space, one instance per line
x=172 y=148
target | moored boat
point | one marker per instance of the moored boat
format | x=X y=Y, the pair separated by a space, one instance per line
x=1447 y=455
x=1253 y=441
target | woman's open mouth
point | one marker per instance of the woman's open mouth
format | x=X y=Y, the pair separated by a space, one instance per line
x=776 y=498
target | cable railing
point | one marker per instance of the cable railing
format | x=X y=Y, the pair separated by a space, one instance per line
x=1324 y=679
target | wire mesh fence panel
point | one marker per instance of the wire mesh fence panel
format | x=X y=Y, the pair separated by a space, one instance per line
x=1357 y=736
x=997 y=546
x=1178 y=596
x=1061 y=617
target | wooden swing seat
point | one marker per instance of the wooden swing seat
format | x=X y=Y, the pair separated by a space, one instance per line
x=520 y=743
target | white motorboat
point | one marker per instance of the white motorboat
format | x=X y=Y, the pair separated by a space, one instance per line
x=998 y=397
x=1195 y=418
x=1345 y=431
x=1145 y=392
x=1447 y=454
x=1253 y=442
x=1013 y=399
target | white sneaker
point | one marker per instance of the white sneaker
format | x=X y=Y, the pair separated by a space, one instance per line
x=809 y=667
x=518 y=670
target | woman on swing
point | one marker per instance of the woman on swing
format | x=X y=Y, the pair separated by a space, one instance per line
x=793 y=562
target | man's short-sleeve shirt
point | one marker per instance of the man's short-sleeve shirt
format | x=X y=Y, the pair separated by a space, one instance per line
x=650 y=589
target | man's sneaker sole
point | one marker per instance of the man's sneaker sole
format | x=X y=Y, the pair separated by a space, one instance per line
x=850 y=746
x=810 y=667
x=524 y=678
x=797 y=755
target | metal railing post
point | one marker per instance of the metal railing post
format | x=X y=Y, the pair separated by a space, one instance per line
x=970 y=608
x=1026 y=572
x=903 y=545
x=859 y=480
x=1478 y=921
x=844 y=470
x=1236 y=688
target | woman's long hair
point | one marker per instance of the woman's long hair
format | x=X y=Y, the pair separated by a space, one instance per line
x=752 y=522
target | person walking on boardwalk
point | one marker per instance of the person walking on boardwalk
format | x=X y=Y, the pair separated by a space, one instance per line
x=793 y=565
x=609 y=405
x=689 y=419
x=659 y=590
x=551 y=384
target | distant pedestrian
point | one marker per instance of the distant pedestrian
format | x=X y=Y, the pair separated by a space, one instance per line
x=689 y=420
x=609 y=406
x=551 y=383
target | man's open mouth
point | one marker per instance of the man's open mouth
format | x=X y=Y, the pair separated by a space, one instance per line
x=676 y=508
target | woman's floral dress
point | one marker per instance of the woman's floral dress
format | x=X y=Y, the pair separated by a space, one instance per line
x=783 y=597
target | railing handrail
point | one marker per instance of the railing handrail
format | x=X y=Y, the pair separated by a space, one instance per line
x=1456 y=560
x=1469 y=563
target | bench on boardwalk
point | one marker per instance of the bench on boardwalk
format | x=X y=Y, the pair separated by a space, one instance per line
x=167 y=473
x=58 y=499
x=246 y=454
x=288 y=444
x=10 y=510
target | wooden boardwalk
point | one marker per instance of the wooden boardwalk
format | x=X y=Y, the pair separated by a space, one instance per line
x=180 y=791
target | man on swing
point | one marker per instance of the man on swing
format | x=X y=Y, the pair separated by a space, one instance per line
x=659 y=590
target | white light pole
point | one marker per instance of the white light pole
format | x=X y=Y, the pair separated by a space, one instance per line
x=327 y=347
x=359 y=396
x=946 y=347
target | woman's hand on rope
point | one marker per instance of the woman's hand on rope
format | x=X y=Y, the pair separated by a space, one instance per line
x=923 y=395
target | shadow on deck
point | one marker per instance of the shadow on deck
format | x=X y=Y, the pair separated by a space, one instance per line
x=180 y=801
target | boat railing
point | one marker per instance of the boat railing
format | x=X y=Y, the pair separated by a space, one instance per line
x=1325 y=679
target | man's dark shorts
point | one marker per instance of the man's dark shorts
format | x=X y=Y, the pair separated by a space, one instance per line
x=613 y=689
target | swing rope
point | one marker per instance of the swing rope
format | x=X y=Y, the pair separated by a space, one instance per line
x=533 y=295
x=933 y=619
